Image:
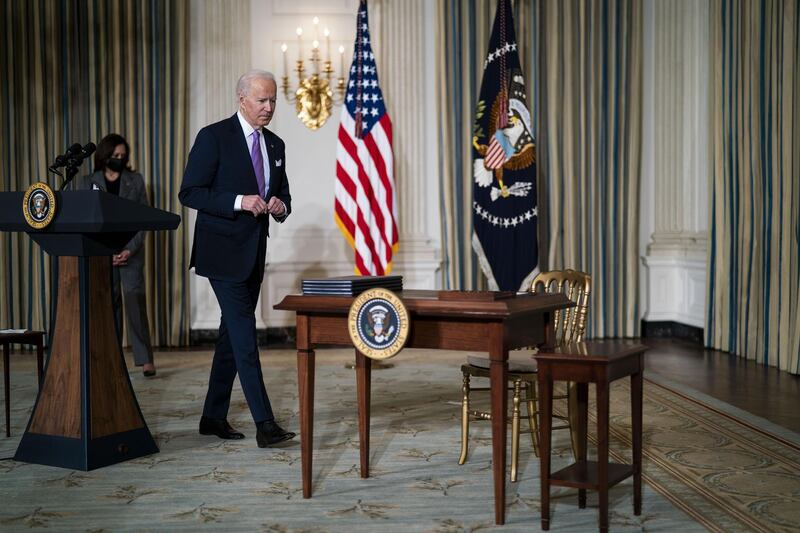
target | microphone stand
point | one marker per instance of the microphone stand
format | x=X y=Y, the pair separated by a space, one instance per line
x=71 y=160
x=70 y=170
x=54 y=171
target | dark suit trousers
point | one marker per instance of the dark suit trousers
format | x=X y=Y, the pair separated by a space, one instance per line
x=131 y=277
x=237 y=350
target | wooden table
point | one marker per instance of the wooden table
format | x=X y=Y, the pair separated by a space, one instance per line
x=458 y=321
x=599 y=362
x=35 y=338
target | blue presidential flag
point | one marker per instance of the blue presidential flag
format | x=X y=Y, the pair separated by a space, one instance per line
x=503 y=163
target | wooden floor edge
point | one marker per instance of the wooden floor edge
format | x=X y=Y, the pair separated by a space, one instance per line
x=729 y=416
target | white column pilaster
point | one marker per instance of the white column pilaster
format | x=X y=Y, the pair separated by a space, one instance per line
x=676 y=160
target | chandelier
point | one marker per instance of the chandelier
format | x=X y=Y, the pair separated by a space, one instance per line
x=314 y=96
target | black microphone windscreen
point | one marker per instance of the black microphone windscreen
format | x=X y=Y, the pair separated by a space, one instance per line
x=75 y=149
x=88 y=150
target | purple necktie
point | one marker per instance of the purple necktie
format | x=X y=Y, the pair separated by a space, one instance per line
x=258 y=163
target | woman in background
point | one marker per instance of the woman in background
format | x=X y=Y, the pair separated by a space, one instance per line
x=113 y=174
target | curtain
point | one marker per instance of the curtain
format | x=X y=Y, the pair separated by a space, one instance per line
x=74 y=71
x=465 y=28
x=754 y=257
x=590 y=152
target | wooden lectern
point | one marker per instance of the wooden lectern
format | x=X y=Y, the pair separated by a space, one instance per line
x=86 y=414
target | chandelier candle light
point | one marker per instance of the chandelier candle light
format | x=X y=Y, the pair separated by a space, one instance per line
x=314 y=96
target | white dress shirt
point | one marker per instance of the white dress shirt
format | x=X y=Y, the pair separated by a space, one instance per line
x=248 y=137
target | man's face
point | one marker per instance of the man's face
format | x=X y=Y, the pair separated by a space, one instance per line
x=258 y=104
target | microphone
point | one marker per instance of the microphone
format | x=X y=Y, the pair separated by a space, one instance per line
x=72 y=159
x=64 y=159
x=87 y=150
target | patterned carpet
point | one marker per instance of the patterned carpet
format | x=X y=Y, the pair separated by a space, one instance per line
x=703 y=469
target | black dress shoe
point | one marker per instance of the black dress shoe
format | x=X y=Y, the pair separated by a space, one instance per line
x=269 y=433
x=218 y=427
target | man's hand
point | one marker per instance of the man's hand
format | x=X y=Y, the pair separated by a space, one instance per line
x=255 y=204
x=275 y=207
x=120 y=259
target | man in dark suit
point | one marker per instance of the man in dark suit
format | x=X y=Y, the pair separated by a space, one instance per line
x=236 y=178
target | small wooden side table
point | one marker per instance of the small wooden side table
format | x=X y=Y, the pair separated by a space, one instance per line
x=599 y=362
x=35 y=338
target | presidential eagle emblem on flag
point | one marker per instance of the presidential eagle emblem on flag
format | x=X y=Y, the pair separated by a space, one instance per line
x=504 y=166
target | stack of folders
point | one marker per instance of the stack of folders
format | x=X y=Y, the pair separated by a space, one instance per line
x=350 y=285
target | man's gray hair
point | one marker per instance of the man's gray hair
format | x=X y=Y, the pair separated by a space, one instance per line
x=243 y=85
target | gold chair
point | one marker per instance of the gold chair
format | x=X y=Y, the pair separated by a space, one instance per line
x=569 y=325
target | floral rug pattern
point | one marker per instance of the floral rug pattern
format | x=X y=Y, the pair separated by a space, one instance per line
x=702 y=470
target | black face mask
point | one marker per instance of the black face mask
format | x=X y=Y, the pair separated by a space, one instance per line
x=114 y=164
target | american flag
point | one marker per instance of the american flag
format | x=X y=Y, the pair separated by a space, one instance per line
x=366 y=206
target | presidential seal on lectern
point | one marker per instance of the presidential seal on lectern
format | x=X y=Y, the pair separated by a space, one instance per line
x=39 y=205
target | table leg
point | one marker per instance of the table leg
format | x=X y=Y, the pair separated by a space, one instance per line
x=545 y=424
x=7 y=384
x=305 y=382
x=363 y=386
x=515 y=430
x=549 y=330
x=581 y=420
x=602 y=452
x=636 y=439
x=498 y=380
x=40 y=360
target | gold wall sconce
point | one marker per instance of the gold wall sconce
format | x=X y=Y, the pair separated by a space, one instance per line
x=314 y=96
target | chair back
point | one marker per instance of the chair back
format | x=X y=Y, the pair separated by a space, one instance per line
x=570 y=324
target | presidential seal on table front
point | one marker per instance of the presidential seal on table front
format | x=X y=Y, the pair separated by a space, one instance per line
x=39 y=205
x=378 y=323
